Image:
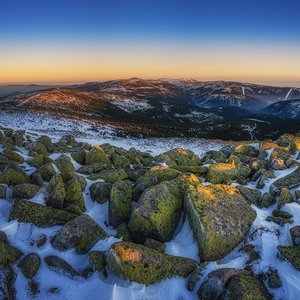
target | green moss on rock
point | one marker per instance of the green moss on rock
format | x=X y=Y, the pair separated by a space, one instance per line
x=57 y=192
x=291 y=254
x=218 y=172
x=25 y=190
x=97 y=155
x=13 y=174
x=162 y=173
x=8 y=254
x=74 y=194
x=110 y=175
x=251 y=196
x=64 y=164
x=29 y=265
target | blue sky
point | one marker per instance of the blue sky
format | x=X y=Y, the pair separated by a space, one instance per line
x=98 y=40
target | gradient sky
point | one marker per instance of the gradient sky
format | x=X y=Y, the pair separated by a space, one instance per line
x=80 y=41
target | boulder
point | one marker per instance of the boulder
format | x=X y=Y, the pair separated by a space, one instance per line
x=79 y=156
x=64 y=164
x=46 y=141
x=97 y=155
x=144 y=265
x=123 y=232
x=295 y=235
x=69 y=139
x=97 y=259
x=100 y=191
x=3 y=237
x=74 y=194
x=281 y=214
x=57 y=192
x=197 y=170
x=3 y=190
x=267 y=200
x=13 y=156
x=119 y=205
x=284 y=198
x=295 y=143
x=290 y=181
x=291 y=254
x=156 y=245
x=37 y=214
x=8 y=253
x=110 y=175
x=270 y=145
x=284 y=140
x=215 y=283
x=156 y=215
x=93 y=168
x=70 y=175
x=37 y=179
x=251 y=196
x=220 y=218
x=29 y=265
x=162 y=173
x=13 y=174
x=218 y=172
x=7 y=280
x=25 y=190
x=266 y=176
x=278 y=220
x=256 y=164
x=246 y=287
x=135 y=174
x=37 y=147
x=47 y=171
x=121 y=162
x=82 y=233
x=74 y=209
x=60 y=266
x=143 y=183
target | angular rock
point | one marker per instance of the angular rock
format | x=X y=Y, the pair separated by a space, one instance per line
x=162 y=173
x=274 y=281
x=246 y=287
x=64 y=164
x=144 y=265
x=267 y=200
x=25 y=190
x=278 y=220
x=156 y=245
x=59 y=266
x=3 y=237
x=121 y=162
x=97 y=259
x=13 y=174
x=291 y=254
x=251 y=196
x=143 y=183
x=37 y=214
x=119 y=206
x=284 y=198
x=290 y=181
x=270 y=145
x=57 y=191
x=295 y=143
x=37 y=179
x=74 y=209
x=136 y=173
x=110 y=175
x=218 y=172
x=79 y=156
x=37 y=147
x=93 y=168
x=70 y=175
x=215 y=283
x=8 y=253
x=29 y=265
x=82 y=233
x=13 y=156
x=284 y=140
x=47 y=171
x=156 y=215
x=295 y=235
x=97 y=155
x=197 y=170
x=257 y=164
x=123 y=232
x=220 y=218
x=100 y=191
x=264 y=179
x=281 y=214
x=69 y=139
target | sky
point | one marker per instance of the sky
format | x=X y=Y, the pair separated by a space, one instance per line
x=81 y=41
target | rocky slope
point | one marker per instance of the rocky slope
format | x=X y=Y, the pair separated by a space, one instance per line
x=78 y=220
x=288 y=109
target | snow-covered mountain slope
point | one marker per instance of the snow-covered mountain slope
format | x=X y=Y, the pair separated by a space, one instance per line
x=288 y=109
x=203 y=93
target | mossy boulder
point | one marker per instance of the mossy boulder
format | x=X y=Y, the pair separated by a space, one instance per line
x=265 y=177
x=13 y=174
x=135 y=174
x=3 y=190
x=100 y=191
x=295 y=235
x=74 y=194
x=39 y=160
x=281 y=214
x=70 y=175
x=156 y=245
x=245 y=288
x=47 y=171
x=197 y=170
x=8 y=140
x=79 y=156
x=156 y=215
x=110 y=175
x=270 y=145
x=7 y=281
x=290 y=181
x=251 y=196
x=8 y=253
x=220 y=218
x=61 y=267
x=244 y=171
x=278 y=220
x=241 y=150
x=57 y=192
x=37 y=214
x=74 y=209
x=18 y=139
x=46 y=141
x=13 y=156
x=37 y=179
x=256 y=164
x=144 y=265
x=284 y=140
x=64 y=164
x=82 y=233
x=25 y=190
x=123 y=232
x=93 y=168
x=119 y=205
x=97 y=155
x=267 y=200
x=218 y=172
x=215 y=283
x=291 y=254
x=97 y=259
x=143 y=183
x=162 y=173
x=69 y=139
x=29 y=265
x=295 y=143
x=37 y=147
x=121 y=162
x=284 y=198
